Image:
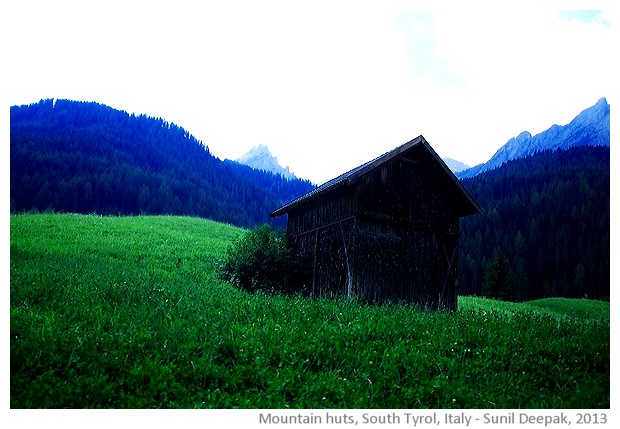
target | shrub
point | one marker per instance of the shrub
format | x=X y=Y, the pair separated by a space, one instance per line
x=260 y=261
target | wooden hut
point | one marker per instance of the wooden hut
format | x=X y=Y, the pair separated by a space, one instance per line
x=387 y=230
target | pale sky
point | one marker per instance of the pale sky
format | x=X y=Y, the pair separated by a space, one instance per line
x=326 y=85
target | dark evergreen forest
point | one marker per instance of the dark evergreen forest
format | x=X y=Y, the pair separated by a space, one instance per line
x=545 y=225
x=84 y=157
x=548 y=216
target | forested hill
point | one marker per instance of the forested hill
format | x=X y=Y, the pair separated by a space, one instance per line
x=549 y=214
x=85 y=157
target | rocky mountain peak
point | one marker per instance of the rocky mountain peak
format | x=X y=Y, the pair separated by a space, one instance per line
x=260 y=158
x=589 y=128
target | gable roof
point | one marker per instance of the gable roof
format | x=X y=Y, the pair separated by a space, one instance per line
x=423 y=153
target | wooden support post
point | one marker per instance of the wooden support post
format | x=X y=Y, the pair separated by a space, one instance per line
x=447 y=273
x=346 y=260
x=316 y=248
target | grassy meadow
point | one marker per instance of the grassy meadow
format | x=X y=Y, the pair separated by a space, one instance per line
x=127 y=312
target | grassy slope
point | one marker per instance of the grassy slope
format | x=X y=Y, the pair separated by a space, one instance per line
x=583 y=309
x=126 y=312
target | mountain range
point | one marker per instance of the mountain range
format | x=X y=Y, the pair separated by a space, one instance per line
x=589 y=128
x=62 y=153
x=545 y=198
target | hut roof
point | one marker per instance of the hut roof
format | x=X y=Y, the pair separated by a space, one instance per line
x=417 y=150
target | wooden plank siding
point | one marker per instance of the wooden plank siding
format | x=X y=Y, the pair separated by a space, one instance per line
x=386 y=231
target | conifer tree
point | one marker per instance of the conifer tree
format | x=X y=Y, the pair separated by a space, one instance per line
x=499 y=282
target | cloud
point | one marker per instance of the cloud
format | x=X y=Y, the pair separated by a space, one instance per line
x=585 y=16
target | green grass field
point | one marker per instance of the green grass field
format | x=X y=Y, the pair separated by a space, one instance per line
x=127 y=312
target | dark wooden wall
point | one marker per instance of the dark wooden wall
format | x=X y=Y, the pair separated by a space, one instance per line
x=406 y=265
x=326 y=209
x=393 y=235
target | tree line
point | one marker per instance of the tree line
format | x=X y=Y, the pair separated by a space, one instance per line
x=84 y=157
x=545 y=227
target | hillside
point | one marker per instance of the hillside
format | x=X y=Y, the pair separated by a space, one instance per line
x=80 y=157
x=550 y=215
x=126 y=312
x=591 y=127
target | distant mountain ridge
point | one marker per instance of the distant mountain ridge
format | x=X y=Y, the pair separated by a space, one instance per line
x=589 y=128
x=454 y=165
x=260 y=158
